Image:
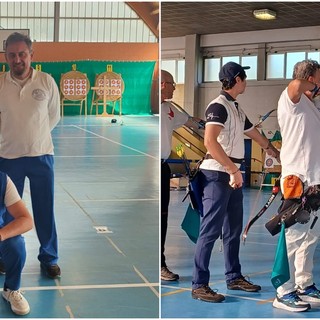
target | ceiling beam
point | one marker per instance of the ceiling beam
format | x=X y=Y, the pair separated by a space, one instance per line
x=149 y=13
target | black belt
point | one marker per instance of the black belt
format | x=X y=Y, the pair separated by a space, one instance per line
x=234 y=160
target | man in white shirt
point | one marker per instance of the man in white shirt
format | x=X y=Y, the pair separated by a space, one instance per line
x=299 y=121
x=29 y=110
x=171 y=119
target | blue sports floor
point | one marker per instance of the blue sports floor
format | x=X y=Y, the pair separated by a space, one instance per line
x=107 y=216
x=256 y=256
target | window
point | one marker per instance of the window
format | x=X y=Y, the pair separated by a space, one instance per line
x=314 y=56
x=36 y=16
x=292 y=59
x=280 y=65
x=176 y=68
x=275 y=66
x=112 y=21
x=212 y=66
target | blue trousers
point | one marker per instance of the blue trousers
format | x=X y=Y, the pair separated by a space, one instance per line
x=39 y=171
x=13 y=252
x=222 y=213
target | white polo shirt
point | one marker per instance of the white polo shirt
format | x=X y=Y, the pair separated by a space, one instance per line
x=299 y=126
x=27 y=115
x=171 y=119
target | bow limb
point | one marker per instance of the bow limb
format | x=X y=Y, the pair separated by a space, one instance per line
x=264 y=117
x=275 y=191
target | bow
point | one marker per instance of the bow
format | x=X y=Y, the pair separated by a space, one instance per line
x=264 y=117
x=275 y=191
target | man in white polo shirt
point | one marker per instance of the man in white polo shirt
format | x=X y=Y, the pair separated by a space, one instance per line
x=29 y=110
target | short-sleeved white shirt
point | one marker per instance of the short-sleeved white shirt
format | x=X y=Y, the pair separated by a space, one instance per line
x=171 y=119
x=12 y=196
x=27 y=115
x=299 y=126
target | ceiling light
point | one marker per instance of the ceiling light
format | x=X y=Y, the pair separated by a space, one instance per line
x=265 y=14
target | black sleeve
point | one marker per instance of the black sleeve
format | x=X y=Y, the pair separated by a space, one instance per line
x=247 y=125
x=216 y=113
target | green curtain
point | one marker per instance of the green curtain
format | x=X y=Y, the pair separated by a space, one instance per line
x=137 y=77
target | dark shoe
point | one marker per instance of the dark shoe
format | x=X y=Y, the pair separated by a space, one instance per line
x=205 y=293
x=2 y=268
x=52 y=271
x=167 y=275
x=243 y=284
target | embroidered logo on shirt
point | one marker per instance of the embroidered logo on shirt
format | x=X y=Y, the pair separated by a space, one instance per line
x=38 y=94
x=210 y=116
x=171 y=113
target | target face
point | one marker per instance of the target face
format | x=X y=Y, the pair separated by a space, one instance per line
x=74 y=87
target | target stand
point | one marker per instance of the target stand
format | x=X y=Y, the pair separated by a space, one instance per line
x=74 y=87
x=108 y=88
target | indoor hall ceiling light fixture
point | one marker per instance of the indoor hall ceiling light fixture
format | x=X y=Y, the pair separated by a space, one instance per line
x=265 y=14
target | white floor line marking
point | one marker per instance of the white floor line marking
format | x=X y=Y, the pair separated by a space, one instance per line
x=225 y=294
x=261 y=243
x=146 y=281
x=92 y=286
x=69 y=311
x=101 y=156
x=115 y=200
x=57 y=282
x=115 y=142
x=114 y=245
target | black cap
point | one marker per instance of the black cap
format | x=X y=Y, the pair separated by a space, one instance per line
x=231 y=70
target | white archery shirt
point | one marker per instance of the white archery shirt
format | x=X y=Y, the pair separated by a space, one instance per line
x=171 y=119
x=299 y=127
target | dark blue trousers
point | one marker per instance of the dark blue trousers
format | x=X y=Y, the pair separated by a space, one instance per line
x=13 y=254
x=39 y=171
x=222 y=213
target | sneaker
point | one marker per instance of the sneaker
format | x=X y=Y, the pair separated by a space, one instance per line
x=167 y=275
x=205 y=293
x=19 y=304
x=309 y=294
x=243 y=284
x=291 y=302
x=52 y=271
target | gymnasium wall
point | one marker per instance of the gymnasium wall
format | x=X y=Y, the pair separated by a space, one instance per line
x=133 y=60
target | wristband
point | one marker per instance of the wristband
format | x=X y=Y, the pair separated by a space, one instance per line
x=235 y=171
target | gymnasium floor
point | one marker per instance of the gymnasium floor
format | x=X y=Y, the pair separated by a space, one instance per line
x=107 y=216
x=256 y=257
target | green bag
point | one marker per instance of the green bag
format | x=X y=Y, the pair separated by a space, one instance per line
x=281 y=272
x=191 y=223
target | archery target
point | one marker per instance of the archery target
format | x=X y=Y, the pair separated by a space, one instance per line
x=76 y=87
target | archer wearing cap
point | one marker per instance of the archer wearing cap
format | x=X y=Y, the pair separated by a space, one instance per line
x=229 y=72
x=222 y=181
